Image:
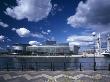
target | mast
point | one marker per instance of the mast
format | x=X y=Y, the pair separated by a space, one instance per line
x=108 y=43
x=98 y=44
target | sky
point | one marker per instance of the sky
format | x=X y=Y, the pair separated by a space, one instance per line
x=35 y=21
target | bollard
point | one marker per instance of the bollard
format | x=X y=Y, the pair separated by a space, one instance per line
x=109 y=67
x=80 y=67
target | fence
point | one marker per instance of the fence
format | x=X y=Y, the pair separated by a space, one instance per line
x=53 y=66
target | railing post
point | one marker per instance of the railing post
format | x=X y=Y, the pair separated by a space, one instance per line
x=80 y=67
x=51 y=67
x=64 y=66
x=7 y=67
x=109 y=67
x=94 y=66
x=36 y=66
x=22 y=67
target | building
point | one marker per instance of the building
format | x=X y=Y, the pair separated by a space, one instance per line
x=50 y=48
x=74 y=49
x=19 y=48
x=53 y=49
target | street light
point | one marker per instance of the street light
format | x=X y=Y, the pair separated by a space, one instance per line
x=94 y=35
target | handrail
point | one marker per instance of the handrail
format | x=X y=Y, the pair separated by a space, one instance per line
x=52 y=66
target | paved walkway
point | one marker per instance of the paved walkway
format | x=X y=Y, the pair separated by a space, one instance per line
x=55 y=76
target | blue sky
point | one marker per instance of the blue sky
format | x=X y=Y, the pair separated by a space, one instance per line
x=22 y=21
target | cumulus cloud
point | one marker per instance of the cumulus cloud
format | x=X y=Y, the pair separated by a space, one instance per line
x=33 y=10
x=3 y=24
x=34 y=42
x=2 y=38
x=80 y=40
x=94 y=14
x=23 y=32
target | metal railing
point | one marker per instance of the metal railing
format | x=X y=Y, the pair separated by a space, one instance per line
x=53 y=66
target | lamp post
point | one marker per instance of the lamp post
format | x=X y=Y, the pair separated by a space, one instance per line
x=94 y=35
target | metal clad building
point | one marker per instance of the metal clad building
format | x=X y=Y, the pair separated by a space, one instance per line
x=54 y=49
x=50 y=48
x=19 y=48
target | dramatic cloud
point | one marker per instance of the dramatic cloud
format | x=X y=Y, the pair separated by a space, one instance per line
x=33 y=10
x=80 y=40
x=94 y=14
x=23 y=32
x=34 y=43
x=2 y=38
x=3 y=24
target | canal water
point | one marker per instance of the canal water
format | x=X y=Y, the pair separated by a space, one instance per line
x=56 y=63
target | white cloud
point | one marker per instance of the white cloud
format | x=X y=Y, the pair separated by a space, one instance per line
x=45 y=33
x=2 y=38
x=13 y=29
x=37 y=35
x=81 y=43
x=34 y=43
x=23 y=32
x=94 y=14
x=3 y=24
x=48 y=31
x=56 y=8
x=80 y=40
x=9 y=39
x=33 y=10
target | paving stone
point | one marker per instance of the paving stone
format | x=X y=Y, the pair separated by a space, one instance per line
x=55 y=76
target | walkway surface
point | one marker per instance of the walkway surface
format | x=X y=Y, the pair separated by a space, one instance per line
x=55 y=76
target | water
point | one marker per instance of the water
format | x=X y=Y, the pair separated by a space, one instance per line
x=48 y=63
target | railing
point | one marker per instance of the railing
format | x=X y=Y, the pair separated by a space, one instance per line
x=53 y=66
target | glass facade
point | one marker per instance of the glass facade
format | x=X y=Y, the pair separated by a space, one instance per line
x=50 y=50
x=55 y=49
